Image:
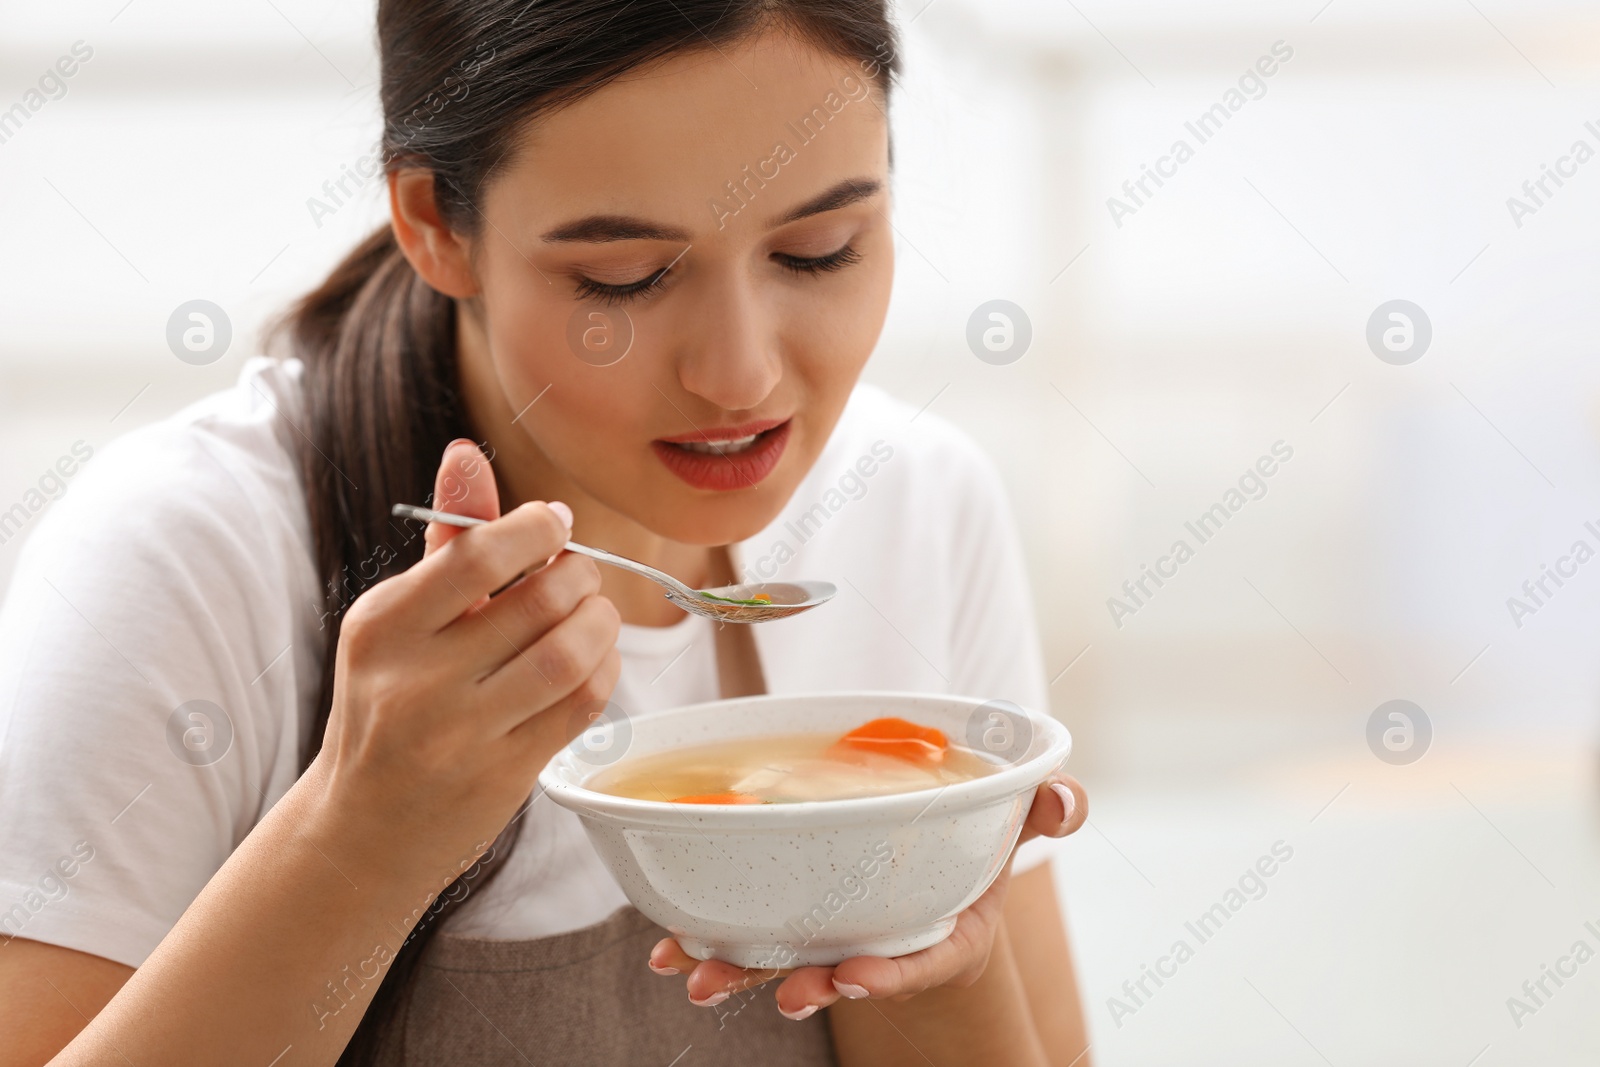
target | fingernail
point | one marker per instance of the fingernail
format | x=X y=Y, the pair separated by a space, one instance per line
x=848 y=989
x=562 y=510
x=804 y=1013
x=664 y=970
x=711 y=1001
x=1069 y=803
x=461 y=441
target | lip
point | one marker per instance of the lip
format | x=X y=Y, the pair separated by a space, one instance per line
x=725 y=473
x=724 y=433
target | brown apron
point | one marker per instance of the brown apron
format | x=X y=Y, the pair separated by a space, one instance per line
x=585 y=997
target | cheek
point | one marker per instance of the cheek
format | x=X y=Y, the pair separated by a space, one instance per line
x=579 y=407
x=586 y=418
x=523 y=321
x=544 y=347
x=839 y=326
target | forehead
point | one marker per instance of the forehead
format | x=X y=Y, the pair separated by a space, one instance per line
x=664 y=142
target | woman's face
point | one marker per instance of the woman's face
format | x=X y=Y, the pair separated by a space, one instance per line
x=723 y=215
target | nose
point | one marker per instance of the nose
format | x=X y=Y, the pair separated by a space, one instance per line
x=731 y=358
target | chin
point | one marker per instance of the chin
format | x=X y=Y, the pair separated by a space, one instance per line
x=693 y=518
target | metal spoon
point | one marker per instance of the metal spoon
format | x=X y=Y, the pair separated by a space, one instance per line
x=788 y=598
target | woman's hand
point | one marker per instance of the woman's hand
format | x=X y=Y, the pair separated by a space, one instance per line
x=447 y=702
x=1059 y=808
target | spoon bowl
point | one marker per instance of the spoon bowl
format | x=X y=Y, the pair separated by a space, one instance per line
x=727 y=603
x=787 y=598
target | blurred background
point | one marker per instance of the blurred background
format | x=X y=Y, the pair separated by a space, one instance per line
x=1178 y=333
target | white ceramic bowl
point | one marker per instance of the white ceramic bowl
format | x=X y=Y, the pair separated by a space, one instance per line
x=784 y=885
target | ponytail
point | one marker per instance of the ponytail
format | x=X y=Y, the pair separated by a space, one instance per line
x=381 y=402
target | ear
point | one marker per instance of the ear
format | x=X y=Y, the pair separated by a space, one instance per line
x=438 y=253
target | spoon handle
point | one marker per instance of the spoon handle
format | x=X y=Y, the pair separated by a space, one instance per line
x=659 y=577
x=411 y=511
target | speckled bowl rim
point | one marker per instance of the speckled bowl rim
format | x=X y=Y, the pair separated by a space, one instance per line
x=1051 y=745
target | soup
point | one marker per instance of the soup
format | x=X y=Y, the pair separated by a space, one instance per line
x=879 y=757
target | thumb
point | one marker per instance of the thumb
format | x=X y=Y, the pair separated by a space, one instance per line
x=1060 y=807
x=464 y=485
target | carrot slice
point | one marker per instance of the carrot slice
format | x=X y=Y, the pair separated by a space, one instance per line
x=719 y=798
x=898 y=737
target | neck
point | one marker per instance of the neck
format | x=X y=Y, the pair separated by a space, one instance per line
x=523 y=472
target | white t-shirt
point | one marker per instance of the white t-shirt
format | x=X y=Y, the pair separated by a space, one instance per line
x=161 y=647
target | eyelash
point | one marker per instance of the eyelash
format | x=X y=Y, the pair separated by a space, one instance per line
x=833 y=261
x=590 y=289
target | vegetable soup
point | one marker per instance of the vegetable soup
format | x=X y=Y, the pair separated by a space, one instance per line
x=880 y=757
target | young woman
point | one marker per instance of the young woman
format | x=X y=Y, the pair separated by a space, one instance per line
x=269 y=758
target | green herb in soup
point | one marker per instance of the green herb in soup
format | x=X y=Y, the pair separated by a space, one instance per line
x=881 y=757
x=760 y=600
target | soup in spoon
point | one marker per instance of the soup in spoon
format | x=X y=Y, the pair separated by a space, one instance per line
x=880 y=757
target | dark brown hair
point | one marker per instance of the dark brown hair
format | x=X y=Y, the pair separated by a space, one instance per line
x=460 y=78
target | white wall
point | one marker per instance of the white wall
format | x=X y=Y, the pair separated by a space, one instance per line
x=1230 y=309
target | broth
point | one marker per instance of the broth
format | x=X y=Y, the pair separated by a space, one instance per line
x=881 y=757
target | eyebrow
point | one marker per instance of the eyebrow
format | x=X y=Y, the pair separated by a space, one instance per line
x=847 y=192
x=603 y=228
x=596 y=228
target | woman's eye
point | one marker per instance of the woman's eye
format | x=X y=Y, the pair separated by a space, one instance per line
x=590 y=289
x=844 y=257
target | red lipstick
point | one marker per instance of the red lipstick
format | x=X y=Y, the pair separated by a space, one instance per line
x=697 y=459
